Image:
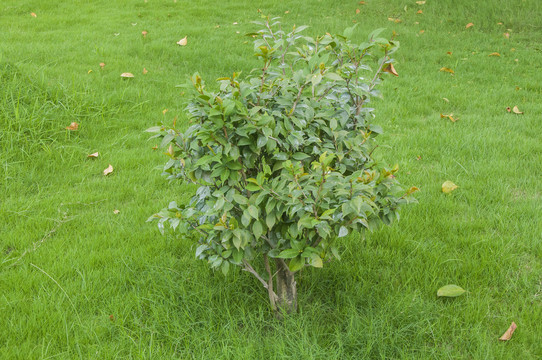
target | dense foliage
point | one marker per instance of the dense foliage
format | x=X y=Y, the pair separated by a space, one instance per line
x=283 y=159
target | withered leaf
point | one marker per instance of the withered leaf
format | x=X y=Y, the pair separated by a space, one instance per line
x=494 y=54
x=419 y=12
x=93 y=155
x=448 y=187
x=145 y=71
x=73 y=126
x=183 y=41
x=420 y=2
x=390 y=69
x=516 y=110
x=450 y=117
x=102 y=65
x=469 y=25
x=358 y=11
x=116 y=211
x=445 y=69
x=126 y=75
x=507 y=35
x=109 y=170
x=144 y=33
x=33 y=15
x=508 y=334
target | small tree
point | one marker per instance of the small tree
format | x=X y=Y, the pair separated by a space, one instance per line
x=283 y=159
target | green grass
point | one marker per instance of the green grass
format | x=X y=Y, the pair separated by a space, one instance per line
x=68 y=263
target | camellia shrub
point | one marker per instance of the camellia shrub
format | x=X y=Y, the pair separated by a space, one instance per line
x=283 y=158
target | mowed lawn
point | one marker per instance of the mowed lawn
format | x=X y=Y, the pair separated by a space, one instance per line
x=81 y=280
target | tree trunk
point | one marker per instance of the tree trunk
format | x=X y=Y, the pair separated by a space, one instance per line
x=286 y=289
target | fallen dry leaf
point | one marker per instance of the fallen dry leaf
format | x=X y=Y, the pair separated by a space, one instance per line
x=469 y=25
x=390 y=69
x=397 y=21
x=450 y=117
x=448 y=187
x=93 y=155
x=145 y=71
x=445 y=99
x=126 y=75
x=508 y=109
x=164 y=111
x=422 y=31
x=183 y=41
x=73 y=126
x=449 y=52
x=287 y=12
x=362 y=3
x=516 y=110
x=33 y=15
x=418 y=157
x=144 y=33
x=116 y=211
x=508 y=334
x=155 y=147
x=235 y=23
x=494 y=54
x=445 y=69
x=420 y=2
x=412 y=190
x=88 y=72
x=507 y=35
x=419 y=12
x=102 y=65
x=358 y=11
x=109 y=170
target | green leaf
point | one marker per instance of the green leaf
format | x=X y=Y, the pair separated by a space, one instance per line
x=450 y=291
x=257 y=229
x=300 y=156
x=343 y=231
x=288 y=254
x=252 y=187
x=253 y=211
x=225 y=267
x=306 y=222
x=348 y=32
x=296 y=264
x=333 y=76
x=240 y=199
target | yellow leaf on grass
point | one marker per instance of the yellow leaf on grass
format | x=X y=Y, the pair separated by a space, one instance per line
x=394 y=20
x=33 y=15
x=102 y=65
x=144 y=33
x=448 y=187
x=183 y=41
x=390 y=69
x=116 y=212
x=73 y=126
x=494 y=54
x=109 y=170
x=412 y=190
x=287 y=12
x=419 y=12
x=469 y=25
x=450 y=117
x=516 y=110
x=164 y=111
x=508 y=334
x=445 y=69
x=358 y=11
x=126 y=75
x=420 y=2
x=93 y=155
x=145 y=71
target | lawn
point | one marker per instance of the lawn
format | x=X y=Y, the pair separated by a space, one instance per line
x=79 y=279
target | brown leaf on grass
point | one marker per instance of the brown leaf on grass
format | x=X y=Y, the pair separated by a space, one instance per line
x=516 y=110
x=362 y=3
x=287 y=12
x=358 y=11
x=422 y=31
x=397 y=21
x=508 y=109
x=109 y=170
x=102 y=65
x=419 y=12
x=445 y=69
x=145 y=71
x=450 y=117
x=33 y=15
x=507 y=35
x=164 y=111
x=420 y=2
x=449 y=52
x=390 y=69
x=73 y=126
x=469 y=25
x=494 y=54
x=183 y=41
x=508 y=334
x=144 y=33
x=412 y=190
x=93 y=155
x=126 y=75
x=155 y=147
